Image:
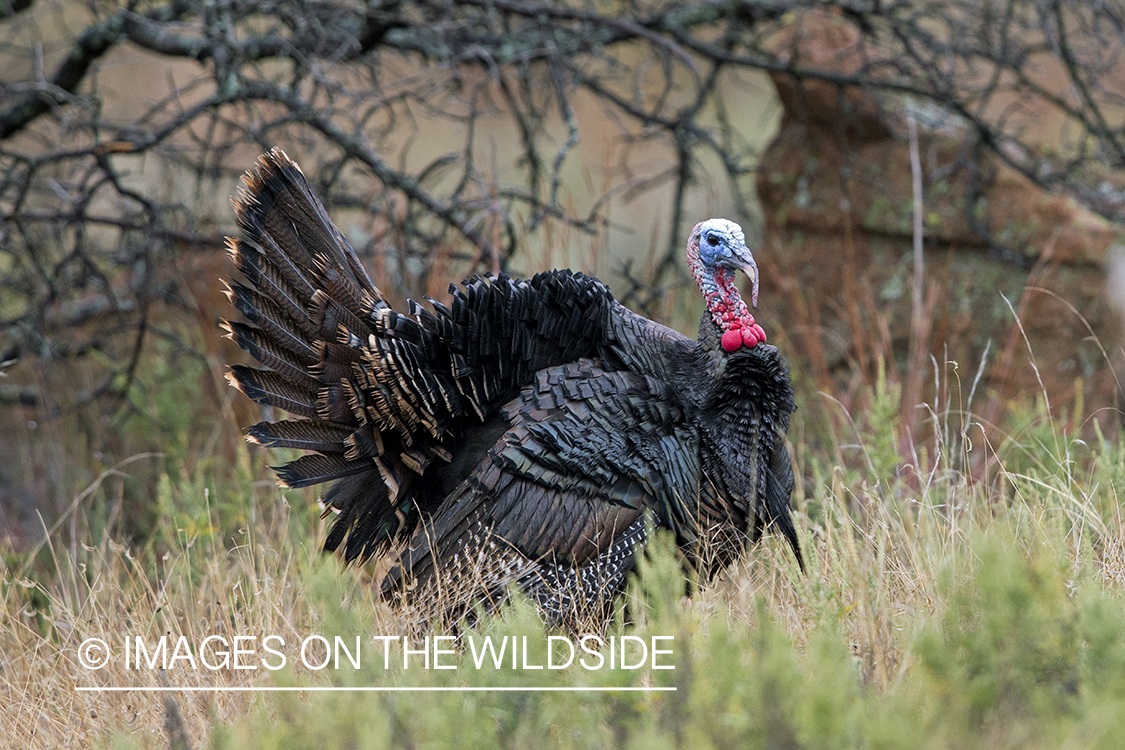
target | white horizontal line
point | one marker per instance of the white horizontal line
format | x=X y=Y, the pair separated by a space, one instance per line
x=364 y=689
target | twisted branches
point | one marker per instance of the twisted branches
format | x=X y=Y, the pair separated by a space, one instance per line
x=357 y=90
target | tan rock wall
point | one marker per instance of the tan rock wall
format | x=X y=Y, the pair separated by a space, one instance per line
x=836 y=190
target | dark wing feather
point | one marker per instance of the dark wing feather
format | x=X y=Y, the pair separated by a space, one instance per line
x=588 y=451
x=778 y=490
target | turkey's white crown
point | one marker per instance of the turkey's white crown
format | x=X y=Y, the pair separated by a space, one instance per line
x=725 y=229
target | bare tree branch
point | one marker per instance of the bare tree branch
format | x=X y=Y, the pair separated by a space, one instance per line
x=352 y=88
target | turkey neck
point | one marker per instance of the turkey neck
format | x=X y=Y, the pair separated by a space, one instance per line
x=749 y=400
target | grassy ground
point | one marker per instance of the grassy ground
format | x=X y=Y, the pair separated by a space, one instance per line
x=964 y=590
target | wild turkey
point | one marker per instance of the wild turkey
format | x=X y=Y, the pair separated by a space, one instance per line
x=519 y=435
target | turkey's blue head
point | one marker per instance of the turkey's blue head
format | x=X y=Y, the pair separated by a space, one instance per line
x=715 y=250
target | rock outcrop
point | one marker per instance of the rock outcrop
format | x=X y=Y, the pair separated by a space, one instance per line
x=836 y=189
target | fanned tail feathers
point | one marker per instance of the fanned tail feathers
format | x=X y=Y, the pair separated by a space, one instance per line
x=385 y=393
x=309 y=308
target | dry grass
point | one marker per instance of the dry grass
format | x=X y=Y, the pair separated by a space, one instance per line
x=880 y=554
x=198 y=587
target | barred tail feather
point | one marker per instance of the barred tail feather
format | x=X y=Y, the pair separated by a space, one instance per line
x=267 y=315
x=270 y=281
x=262 y=347
x=277 y=203
x=318 y=468
x=271 y=389
x=305 y=434
x=367 y=520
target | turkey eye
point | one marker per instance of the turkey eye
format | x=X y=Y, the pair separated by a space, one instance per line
x=712 y=240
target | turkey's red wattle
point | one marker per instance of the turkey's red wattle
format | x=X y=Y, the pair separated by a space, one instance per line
x=732 y=340
x=725 y=304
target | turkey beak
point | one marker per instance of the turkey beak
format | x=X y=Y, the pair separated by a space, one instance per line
x=750 y=268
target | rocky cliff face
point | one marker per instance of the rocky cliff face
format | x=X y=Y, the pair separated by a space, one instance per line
x=836 y=188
